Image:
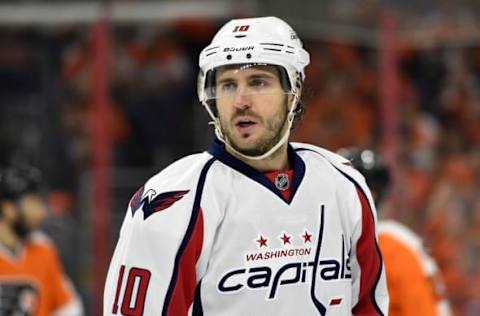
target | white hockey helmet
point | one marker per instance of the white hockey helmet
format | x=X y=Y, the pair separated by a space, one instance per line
x=254 y=41
x=265 y=40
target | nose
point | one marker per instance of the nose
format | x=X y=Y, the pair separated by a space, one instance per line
x=242 y=98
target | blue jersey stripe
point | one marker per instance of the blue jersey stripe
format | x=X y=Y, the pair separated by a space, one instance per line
x=197 y=303
x=320 y=307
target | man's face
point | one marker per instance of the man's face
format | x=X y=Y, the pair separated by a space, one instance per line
x=252 y=108
x=24 y=215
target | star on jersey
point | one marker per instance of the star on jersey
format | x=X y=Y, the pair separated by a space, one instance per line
x=262 y=242
x=151 y=204
x=307 y=237
x=286 y=239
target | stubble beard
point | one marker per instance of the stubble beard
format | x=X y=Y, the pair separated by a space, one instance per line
x=275 y=128
x=21 y=228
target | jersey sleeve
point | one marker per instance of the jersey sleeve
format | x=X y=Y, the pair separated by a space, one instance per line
x=154 y=268
x=370 y=296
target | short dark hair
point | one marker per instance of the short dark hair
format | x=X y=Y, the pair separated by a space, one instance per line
x=17 y=181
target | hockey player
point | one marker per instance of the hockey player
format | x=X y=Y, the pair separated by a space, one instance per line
x=32 y=282
x=255 y=225
x=414 y=282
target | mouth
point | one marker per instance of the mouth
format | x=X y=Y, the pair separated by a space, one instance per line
x=245 y=125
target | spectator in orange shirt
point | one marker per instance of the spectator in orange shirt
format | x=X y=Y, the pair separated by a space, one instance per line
x=415 y=286
x=32 y=282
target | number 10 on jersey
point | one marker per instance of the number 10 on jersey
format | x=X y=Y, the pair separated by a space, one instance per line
x=133 y=298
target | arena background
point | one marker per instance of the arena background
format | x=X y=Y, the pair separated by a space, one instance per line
x=101 y=95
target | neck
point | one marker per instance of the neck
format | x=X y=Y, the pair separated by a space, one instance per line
x=8 y=237
x=276 y=161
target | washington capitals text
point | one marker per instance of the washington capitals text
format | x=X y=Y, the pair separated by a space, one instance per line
x=291 y=273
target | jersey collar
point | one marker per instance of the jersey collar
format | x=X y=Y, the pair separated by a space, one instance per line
x=217 y=149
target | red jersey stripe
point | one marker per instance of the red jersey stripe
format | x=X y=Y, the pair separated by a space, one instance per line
x=184 y=291
x=369 y=260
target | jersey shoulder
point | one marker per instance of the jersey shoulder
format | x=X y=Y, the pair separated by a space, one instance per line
x=327 y=154
x=39 y=245
x=181 y=171
x=41 y=240
x=344 y=174
x=173 y=182
x=339 y=162
x=400 y=233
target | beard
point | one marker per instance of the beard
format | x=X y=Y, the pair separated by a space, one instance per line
x=21 y=228
x=273 y=133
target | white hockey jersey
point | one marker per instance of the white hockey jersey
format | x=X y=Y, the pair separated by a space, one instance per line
x=209 y=235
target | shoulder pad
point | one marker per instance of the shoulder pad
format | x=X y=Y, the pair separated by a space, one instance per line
x=40 y=238
x=180 y=170
x=400 y=232
x=172 y=183
x=334 y=158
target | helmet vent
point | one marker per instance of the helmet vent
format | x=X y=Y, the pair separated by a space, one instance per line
x=277 y=47
x=210 y=53
x=273 y=44
x=212 y=48
x=240 y=36
x=274 y=49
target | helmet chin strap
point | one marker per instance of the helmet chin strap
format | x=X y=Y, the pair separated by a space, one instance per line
x=218 y=132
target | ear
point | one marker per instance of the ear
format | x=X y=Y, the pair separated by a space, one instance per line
x=290 y=98
x=289 y=102
x=300 y=90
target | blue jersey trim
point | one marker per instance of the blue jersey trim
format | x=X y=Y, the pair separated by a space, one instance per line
x=320 y=307
x=217 y=149
x=188 y=234
x=197 y=309
x=379 y=273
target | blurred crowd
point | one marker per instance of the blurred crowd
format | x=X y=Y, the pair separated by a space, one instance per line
x=438 y=150
x=46 y=119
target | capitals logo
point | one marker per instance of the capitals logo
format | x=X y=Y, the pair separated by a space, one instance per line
x=271 y=277
x=151 y=202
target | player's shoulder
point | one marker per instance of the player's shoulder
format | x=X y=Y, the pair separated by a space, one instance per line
x=181 y=171
x=396 y=239
x=319 y=152
x=40 y=238
x=41 y=243
x=340 y=163
x=400 y=233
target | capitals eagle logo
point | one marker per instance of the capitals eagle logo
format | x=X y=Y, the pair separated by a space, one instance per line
x=152 y=203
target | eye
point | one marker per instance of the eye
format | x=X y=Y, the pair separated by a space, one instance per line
x=227 y=87
x=259 y=83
